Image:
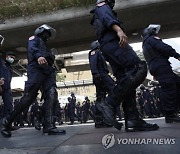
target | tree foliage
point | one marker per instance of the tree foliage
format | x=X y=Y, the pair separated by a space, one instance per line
x=16 y=8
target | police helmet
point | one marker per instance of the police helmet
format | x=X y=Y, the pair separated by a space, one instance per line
x=1 y=40
x=44 y=27
x=95 y=45
x=111 y=3
x=151 y=30
x=72 y=93
x=86 y=98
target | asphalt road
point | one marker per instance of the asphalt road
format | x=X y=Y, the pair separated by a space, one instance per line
x=85 y=139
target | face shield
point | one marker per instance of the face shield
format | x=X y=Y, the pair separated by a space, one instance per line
x=40 y=29
x=155 y=27
x=152 y=29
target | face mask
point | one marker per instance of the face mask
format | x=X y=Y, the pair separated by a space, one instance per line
x=10 y=60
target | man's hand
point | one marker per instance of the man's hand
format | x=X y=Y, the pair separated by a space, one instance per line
x=42 y=60
x=122 y=36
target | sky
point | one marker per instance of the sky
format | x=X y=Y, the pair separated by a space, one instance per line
x=174 y=42
x=18 y=82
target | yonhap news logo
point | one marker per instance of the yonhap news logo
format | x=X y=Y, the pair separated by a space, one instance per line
x=108 y=141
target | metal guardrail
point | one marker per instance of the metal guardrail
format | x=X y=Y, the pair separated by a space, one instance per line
x=75 y=83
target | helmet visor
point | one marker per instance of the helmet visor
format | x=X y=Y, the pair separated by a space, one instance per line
x=156 y=27
x=50 y=29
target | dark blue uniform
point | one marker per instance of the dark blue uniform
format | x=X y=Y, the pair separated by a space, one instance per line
x=157 y=54
x=6 y=73
x=103 y=82
x=39 y=77
x=79 y=110
x=86 y=110
x=127 y=67
x=122 y=60
x=71 y=109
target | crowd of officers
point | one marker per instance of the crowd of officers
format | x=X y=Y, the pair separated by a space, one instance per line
x=148 y=103
x=72 y=111
x=112 y=94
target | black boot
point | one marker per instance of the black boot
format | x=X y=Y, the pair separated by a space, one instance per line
x=108 y=111
x=99 y=122
x=132 y=120
x=172 y=118
x=37 y=124
x=102 y=123
x=49 y=127
x=6 y=128
x=53 y=131
x=25 y=102
x=139 y=125
x=50 y=104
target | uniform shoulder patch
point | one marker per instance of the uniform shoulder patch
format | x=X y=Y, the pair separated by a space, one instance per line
x=93 y=53
x=156 y=37
x=32 y=38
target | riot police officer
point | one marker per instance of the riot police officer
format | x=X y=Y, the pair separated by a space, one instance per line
x=71 y=110
x=127 y=67
x=157 y=53
x=103 y=82
x=6 y=75
x=7 y=58
x=41 y=74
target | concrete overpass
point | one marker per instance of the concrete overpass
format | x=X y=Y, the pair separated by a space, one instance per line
x=74 y=32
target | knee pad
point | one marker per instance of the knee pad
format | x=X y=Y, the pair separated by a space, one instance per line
x=51 y=96
x=52 y=93
x=126 y=86
x=141 y=74
x=136 y=78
